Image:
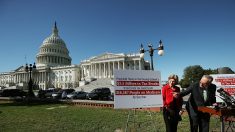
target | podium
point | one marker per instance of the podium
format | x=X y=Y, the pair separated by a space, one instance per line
x=225 y=114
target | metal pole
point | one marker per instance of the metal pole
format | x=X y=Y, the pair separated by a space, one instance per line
x=152 y=63
x=30 y=84
x=221 y=124
x=151 y=50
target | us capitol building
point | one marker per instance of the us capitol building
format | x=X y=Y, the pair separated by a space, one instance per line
x=54 y=68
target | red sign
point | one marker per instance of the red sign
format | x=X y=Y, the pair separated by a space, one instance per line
x=137 y=83
x=137 y=92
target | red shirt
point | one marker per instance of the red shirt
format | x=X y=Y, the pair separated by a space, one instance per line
x=169 y=100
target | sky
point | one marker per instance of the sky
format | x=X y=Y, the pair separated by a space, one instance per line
x=193 y=32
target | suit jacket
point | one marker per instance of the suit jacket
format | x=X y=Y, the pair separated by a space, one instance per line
x=196 y=98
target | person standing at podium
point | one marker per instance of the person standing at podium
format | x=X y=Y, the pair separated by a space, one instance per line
x=171 y=106
x=202 y=94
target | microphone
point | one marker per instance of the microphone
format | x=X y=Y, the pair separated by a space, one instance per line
x=227 y=98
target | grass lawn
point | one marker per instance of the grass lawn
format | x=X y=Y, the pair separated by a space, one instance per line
x=61 y=117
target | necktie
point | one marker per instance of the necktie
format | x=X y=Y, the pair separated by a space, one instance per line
x=204 y=95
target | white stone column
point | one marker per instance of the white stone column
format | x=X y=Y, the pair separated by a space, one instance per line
x=105 y=72
x=118 y=65
x=43 y=76
x=13 y=79
x=134 y=65
x=42 y=79
x=82 y=72
x=92 y=66
x=102 y=70
x=18 y=77
x=37 y=74
x=113 y=68
x=86 y=71
x=94 y=70
x=45 y=79
x=91 y=70
x=39 y=77
x=123 y=65
x=99 y=70
x=106 y=67
x=109 y=75
x=23 y=79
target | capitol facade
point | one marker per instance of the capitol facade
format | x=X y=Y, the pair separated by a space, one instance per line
x=54 y=68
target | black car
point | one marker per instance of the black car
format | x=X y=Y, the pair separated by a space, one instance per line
x=13 y=93
x=99 y=94
x=111 y=97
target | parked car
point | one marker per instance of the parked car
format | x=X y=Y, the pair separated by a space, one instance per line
x=62 y=94
x=111 y=97
x=47 y=93
x=99 y=94
x=77 y=95
x=12 y=93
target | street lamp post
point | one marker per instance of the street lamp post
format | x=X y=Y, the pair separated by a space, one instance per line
x=30 y=69
x=151 y=51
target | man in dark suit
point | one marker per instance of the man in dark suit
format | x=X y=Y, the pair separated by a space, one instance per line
x=202 y=94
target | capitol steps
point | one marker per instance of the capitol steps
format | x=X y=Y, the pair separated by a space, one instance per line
x=99 y=83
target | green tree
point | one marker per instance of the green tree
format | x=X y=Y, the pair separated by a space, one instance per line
x=191 y=74
x=210 y=71
x=184 y=83
x=194 y=74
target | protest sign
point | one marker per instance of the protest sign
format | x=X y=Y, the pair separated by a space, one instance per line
x=137 y=89
x=225 y=81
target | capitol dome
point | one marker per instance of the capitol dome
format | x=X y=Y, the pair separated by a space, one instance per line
x=53 y=51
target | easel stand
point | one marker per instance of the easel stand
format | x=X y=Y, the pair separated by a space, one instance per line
x=137 y=123
x=227 y=124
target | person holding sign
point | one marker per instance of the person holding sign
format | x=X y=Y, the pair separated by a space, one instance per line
x=171 y=105
x=202 y=94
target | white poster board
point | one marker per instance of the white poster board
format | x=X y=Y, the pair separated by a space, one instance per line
x=225 y=81
x=137 y=89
